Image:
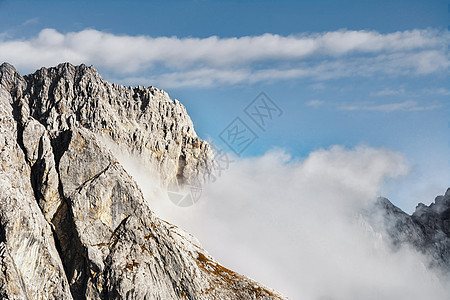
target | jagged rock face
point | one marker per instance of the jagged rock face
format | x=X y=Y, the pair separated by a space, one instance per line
x=30 y=264
x=145 y=120
x=73 y=222
x=427 y=229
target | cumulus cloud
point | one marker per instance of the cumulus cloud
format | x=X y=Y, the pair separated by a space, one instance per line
x=214 y=61
x=297 y=225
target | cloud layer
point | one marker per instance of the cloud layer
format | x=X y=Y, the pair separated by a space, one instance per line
x=298 y=226
x=212 y=61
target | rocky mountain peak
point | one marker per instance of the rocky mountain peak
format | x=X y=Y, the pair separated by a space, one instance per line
x=73 y=223
x=436 y=215
x=9 y=77
x=427 y=229
x=145 y=121
x=7 y=68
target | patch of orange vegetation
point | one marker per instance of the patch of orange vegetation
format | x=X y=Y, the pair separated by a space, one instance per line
x=132 y=265
x=143 y=248
x=229 y=278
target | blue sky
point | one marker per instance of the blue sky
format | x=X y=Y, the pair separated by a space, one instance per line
x=350 y=73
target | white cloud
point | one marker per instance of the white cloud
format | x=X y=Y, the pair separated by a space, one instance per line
x=315 y=103
x=390 y=107
x=401 y=92
x=30 y=21
x=389 y=92
x=318 y=86
x=443 y=92
x=437 y=91
x=297 y=226
x=216 y=61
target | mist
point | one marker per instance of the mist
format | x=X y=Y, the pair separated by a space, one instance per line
x=300 y=226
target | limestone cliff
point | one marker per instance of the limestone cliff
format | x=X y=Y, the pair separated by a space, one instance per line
x=73 y=223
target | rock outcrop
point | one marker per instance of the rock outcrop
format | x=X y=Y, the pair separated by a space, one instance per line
x=73 y=223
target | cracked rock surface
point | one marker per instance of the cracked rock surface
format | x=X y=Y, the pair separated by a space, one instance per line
x=73 y=223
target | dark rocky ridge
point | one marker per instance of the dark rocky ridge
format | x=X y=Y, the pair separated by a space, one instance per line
x=73 y=223
x=427 y=229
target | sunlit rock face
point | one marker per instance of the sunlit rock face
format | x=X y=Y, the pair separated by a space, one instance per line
x=73 y=223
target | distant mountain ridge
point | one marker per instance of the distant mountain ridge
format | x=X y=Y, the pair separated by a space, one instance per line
x=73 y=223
x=427 y=229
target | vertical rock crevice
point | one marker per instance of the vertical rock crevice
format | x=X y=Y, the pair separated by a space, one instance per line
x=72 y=252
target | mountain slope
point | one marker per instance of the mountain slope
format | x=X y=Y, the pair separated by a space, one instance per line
x=73 y=223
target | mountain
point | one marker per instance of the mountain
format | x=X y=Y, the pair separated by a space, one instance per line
x=73 y=223
x=427 y=229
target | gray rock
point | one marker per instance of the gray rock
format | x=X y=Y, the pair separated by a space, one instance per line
x=143 y=120
x=30 y=264
x=427 y=229
x=44 y=176
x=72 y=217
